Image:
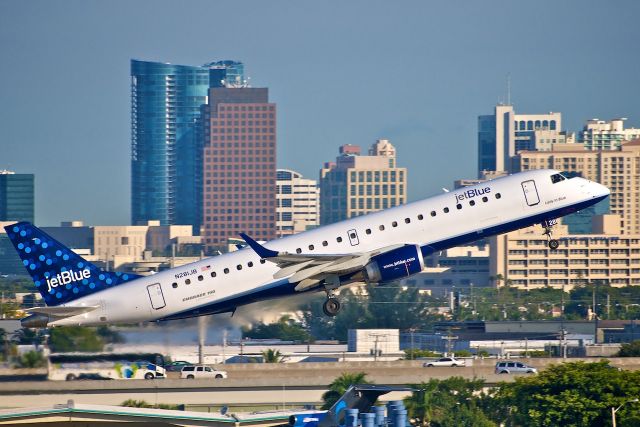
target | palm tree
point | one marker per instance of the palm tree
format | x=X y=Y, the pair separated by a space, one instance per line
x=272 y=356
x=340 y=385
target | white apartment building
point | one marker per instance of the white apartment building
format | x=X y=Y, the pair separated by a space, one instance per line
x=297 y=203
x=602 y=135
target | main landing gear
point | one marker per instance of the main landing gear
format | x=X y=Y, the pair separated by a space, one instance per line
x=331 y=306
x=548 y=231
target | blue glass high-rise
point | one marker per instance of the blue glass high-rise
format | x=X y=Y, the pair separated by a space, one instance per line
x=166 y=138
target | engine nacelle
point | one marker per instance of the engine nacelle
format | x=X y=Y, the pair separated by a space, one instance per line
x=394 y=264
x=37 y=320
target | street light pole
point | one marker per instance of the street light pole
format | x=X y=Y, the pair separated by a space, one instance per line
x=614 y=410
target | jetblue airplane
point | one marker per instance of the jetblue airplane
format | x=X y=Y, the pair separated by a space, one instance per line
x=376 y=248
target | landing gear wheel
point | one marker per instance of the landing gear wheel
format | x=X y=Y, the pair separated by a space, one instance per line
x=331 y=306
x=553 y=244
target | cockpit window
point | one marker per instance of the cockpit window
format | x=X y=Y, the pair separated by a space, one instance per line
x=557 y=178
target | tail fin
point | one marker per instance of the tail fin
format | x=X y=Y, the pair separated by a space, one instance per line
x=59 y=273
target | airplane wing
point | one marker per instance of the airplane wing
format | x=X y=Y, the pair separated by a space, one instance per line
x=60 y=311
x=311 y=269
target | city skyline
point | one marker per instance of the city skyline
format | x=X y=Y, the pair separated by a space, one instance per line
x=418 y=75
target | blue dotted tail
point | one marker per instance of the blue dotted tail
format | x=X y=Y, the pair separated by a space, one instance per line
x=59 y=273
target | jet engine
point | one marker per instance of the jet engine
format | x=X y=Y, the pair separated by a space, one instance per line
x=394 y=264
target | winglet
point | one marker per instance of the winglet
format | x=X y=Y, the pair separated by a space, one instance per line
x=258 y=248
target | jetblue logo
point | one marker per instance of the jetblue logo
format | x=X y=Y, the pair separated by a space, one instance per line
x=472 y=193
x=66 y=277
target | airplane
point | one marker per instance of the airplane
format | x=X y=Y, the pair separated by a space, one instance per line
x=380 y=247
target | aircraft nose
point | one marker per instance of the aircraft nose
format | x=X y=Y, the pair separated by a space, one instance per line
x=599 y=190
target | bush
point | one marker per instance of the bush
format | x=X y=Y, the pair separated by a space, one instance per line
x=413 y=353
x=32 y=359
x=631 y=349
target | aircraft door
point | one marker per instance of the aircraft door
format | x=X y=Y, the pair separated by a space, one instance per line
x=156 y=297
x=353 y=237
x=530 y=192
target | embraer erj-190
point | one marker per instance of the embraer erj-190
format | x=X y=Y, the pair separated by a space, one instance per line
x=375 y=248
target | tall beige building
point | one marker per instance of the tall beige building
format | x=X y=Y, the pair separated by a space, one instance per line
x=618 y=169
x=297 y=202
x=522 y=258
x=356 y=185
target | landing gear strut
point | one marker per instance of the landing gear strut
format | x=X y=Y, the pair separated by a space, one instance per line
x=331 y=306
x=548 y=231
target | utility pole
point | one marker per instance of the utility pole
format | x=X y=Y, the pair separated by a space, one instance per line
x=608 y=306
x=593 y=302
x=561 y=303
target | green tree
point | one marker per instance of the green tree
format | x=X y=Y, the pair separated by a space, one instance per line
x=340 y=385
x=272 y=356
x=413 y=353
x=570 y=394
x=454 y=401
x=631 y=349
x=285 y=329
x=32 y=359
x=75 y=338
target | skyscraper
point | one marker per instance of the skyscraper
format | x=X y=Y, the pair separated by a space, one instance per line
x=297 y=206
x=240 y=165
x=356 y=185
x=503 y=134
x=16 y=196
x=166 y=138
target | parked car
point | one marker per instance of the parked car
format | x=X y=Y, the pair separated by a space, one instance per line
x=176 y=366
x=445 y=361
x=514 y=368
x=198 y=371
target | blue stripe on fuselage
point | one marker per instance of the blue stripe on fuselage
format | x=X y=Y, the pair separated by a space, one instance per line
x=281 y=288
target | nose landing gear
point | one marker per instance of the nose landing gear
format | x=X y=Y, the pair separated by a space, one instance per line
x=548 y=231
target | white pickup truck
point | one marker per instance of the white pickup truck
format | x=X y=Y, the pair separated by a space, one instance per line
x=445 y=361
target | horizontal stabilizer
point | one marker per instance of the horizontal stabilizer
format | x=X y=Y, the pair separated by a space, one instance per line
x=59 y=311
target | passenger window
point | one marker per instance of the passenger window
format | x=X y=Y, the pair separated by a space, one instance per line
x=311 y=247
x=298 y=251
x=381 y=228
x=458 y=206
x=262 y=261
x=188 y=281
x=250 y=264
x=446 y=210
x=472 y=202
x=200 y=278
x=368 y=231
x=433 y=213
x=339 y=239
x=213 y=274
x=394 y=224
x=485 y=199
x=239 y=266
x=208 y=369
x=407 y=220
x=226 y=271
x=325 y=243
x=174 y=285
x=420 y=217
x=199 y=369
x=498 y=195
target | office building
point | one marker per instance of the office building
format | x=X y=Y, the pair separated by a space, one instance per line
x=297 y=203
x=602 y=135
x=16 y=196
x=356 y=185
x=523 y=259
x=505 y=133
x=239 y=165
x=166 y=138
x=618 y=169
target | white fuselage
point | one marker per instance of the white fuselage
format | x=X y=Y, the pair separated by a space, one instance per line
x=224 y=282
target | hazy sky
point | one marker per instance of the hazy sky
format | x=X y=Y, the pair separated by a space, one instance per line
x=416 y=72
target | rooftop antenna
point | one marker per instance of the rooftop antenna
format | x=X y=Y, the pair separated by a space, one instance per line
x=508 y=88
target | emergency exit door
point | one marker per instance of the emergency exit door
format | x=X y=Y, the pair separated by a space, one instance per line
x=530 y=192
x=156 y=297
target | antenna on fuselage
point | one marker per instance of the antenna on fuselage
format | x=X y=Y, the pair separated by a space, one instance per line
x=445 y=190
